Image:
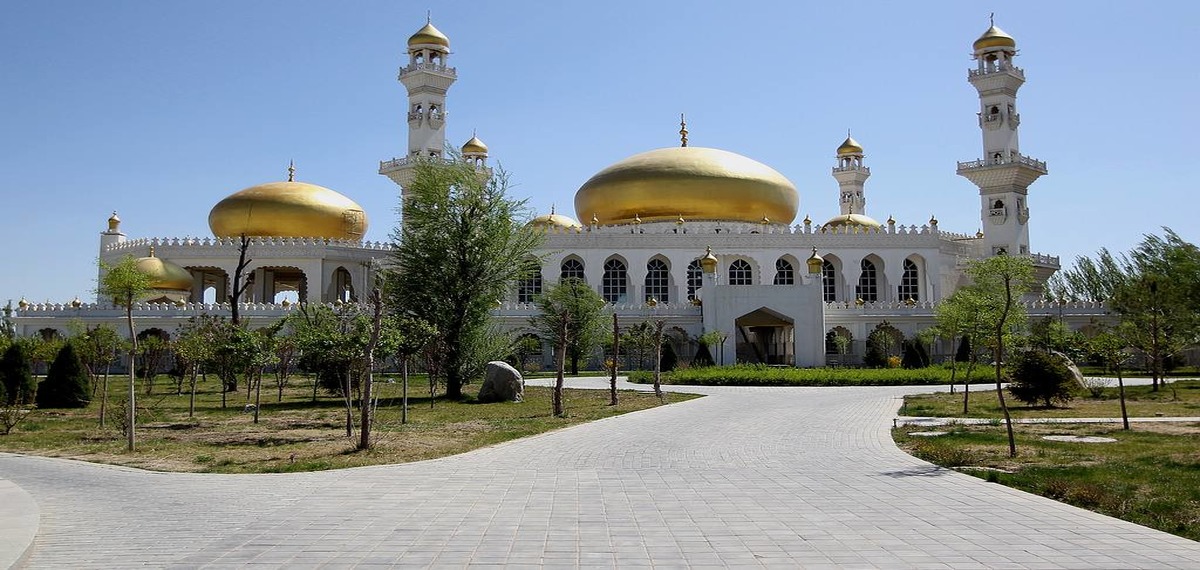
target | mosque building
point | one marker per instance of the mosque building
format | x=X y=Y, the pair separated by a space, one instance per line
x=702 y=239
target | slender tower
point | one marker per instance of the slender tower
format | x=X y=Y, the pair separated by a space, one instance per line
x=851 y=174
x=1003 y=175
x=112 y=236
x=427 y=79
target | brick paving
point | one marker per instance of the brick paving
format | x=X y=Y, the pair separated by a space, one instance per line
x=747 y=477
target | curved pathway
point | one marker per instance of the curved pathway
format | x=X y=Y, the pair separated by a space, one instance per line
x=782 y=477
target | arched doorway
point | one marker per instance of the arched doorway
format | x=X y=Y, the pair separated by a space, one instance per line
x=765 y=336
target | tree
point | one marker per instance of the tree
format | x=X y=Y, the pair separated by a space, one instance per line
x=613 y=399
x=1110 y=347
x=241 y=281
x=124 y=283
x=461 y=246
x=195 y=347
x=98 y=348
x=569 y=312
x=66 y=384
x=997 y=283
x=152 y=349
x=1042 y=376
x=16 y=373
x=710 y=339
x=959 y=318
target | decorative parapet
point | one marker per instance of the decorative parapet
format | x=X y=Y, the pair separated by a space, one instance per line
x=257 y=242
x=980 y=164
x=742 y=228
x=430 y=67
x=1005 y=69
x=1043 y=260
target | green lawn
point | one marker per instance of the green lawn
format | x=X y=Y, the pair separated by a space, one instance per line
x=758 y=375
x=1150 y=476
x=1177 y=398
x=297 y=434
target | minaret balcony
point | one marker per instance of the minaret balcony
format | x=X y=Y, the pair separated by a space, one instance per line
x=429 y=67
x=1000 y=69
x=414 y=119
x=1002 y=162
x=852 y=168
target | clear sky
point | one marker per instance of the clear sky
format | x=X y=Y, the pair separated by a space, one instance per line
x=159 y=109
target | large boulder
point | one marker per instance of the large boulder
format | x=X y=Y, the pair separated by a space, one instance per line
x=501 y=383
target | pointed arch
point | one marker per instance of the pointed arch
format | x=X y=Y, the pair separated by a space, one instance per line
x=695 y=278
x=572 y=268
x=657 y=284
x=785 y=270
x=740 y=272
x=614 y=285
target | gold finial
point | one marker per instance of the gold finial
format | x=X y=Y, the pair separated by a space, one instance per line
x=680 y=221
x=76 y=303
x=151 y=251
x=291 y=171
x=551 y=208
x=979 y=234
x=429 y=16
x=992 y=19
x=683 y=132
x=932 y=220
x=595 y=220
x=891 y=221
x=637 y=219
x=807 y=220
x=765 y=219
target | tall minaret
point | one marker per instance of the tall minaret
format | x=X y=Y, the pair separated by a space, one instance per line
x=427 y=78
x=108 y=238
x=851 y=175
x=1003 y=175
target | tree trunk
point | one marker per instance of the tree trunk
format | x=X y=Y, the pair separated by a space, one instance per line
x=404 y=390
x=364 y=441
x=349 y=405
x=1121 y=391
x=104 y=395
x=1008 y=300
x=616 y=362
x=131 y=416
x=257 y=391
x=658 y=336
x=560 y=356
x=192 y=397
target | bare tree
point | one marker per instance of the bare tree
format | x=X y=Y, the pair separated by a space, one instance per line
x=240 y=281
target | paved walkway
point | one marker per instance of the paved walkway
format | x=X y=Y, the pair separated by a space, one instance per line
x=752 y=477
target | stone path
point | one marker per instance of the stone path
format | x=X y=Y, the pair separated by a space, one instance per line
x=751 y=477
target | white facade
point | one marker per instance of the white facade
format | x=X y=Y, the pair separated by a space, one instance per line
x=762 y=293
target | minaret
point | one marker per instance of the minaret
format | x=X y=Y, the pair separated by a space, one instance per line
x=851 y=175
x=474 y=152
x=112 y=236
x=427 y=78
x=1003 y=175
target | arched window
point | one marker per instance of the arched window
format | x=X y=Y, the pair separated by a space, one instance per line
x=909 y=282
x=571 y=269
x=529 y=286
x=614 y=285
x=740 y=273
x=868 y=284
x=784 y=274
x=828 y=283
x=695 y=278
x=657 y=281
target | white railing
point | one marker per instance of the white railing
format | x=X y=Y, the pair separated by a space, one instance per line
x=991 y=162
x=257 y=242
x=434 y=67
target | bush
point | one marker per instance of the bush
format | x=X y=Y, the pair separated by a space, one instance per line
x=915 y=355
x=669 y=360
x=1041 y=376
x=66 y=384
x=17 y=376
x=703 y=357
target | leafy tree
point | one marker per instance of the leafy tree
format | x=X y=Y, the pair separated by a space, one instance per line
x=152 y=349
x=1110 y=347
x=16 y=372
x=1042 y=376
x=195 y=347
x=570 y=313
x=125 y=284
x=883 y=343
x=66 y=384
x=710 y=339
x=98 y=348
x=640 y=340
x=997 y=284
x=411 y=335
x=461 y=246
x=914 y=355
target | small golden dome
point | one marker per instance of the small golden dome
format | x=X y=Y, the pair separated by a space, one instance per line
x=849 y=146
x=288 y=209
x=553 y=220
x=815 y=262
x=23 y=303
x=474 y=146
x=429 y=35
x=164 y=274
x=709 y=261
x=114 y=223
x=694 y=182
x=76 y=303
x=853 y=220
x=994 y=37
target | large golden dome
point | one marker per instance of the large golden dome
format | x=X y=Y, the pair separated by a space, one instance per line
x=288 y=209
x=853 y=220
x=554 y=221
x=994 y=37
x=695 y=183
x=164 y=274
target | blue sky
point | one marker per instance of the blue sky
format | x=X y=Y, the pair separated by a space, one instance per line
x=160 y=109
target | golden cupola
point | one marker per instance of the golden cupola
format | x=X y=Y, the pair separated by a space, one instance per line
x=288 y=209
x=474 y=146
x=849 y=146
x=429 y=35
x=695 y=183
x=994 y=37
x=554 y=222
x=851 y=220
x=163 y=274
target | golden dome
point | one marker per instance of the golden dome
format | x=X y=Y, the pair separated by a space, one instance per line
x=850 y=146
x=164 y=274
x=288 y=209
x=553 y=220
x=429 y=35
x=696 y=183
x=853 y=220
x=114 y=223
x=474 y=146
x=994 y=37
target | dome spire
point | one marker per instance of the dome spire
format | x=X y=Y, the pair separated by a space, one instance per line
x=291 y=171
x=683 y=132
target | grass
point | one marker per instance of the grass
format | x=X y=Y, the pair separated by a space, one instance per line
x=1177 y=398
x=1150 y=476
x=758 y=375
x=297 y=434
